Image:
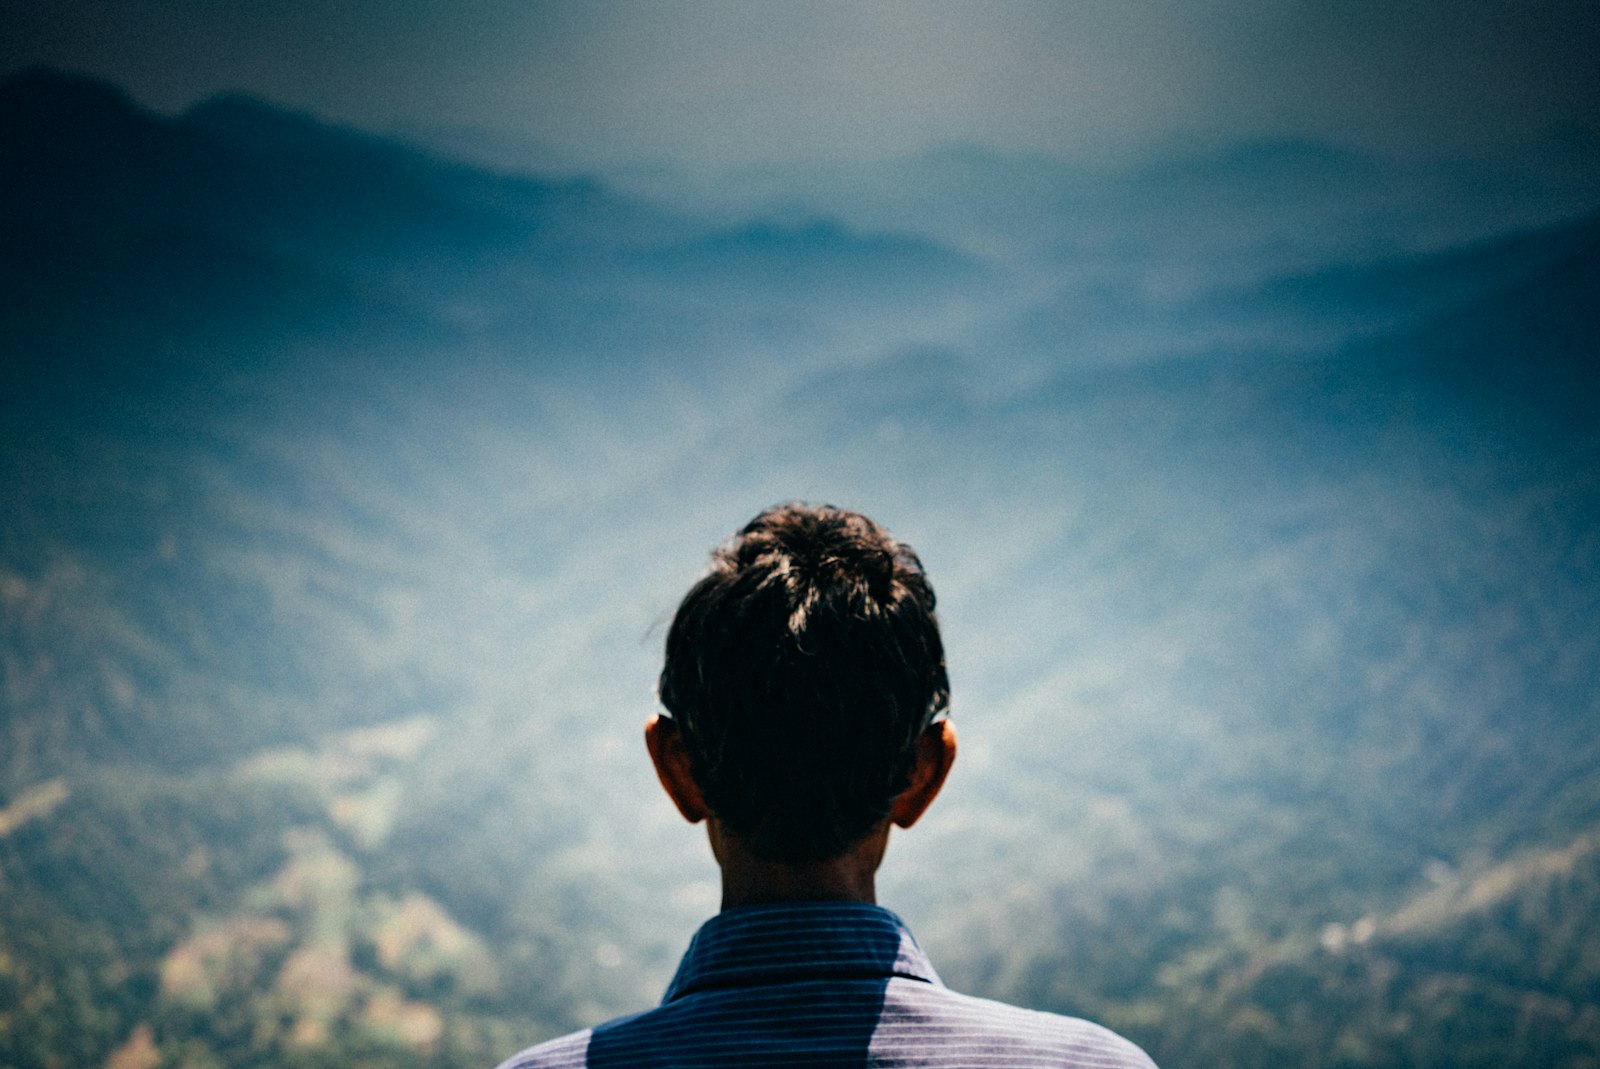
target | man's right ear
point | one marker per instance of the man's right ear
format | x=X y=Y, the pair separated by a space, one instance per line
x=667 y=753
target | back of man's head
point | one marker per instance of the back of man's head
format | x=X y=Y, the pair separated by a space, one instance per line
x=801 y=672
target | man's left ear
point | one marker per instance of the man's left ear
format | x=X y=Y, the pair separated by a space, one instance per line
x=930 y=766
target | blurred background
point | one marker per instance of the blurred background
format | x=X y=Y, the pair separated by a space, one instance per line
x=374 y=378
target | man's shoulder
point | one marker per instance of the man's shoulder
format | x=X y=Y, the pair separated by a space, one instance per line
x=570 y=1051
x=917 y=1024
x=991 y=1031
x=567 y=1052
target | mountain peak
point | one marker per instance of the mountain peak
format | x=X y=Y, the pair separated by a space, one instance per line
x=42 y=79
x=49 y=94
x=263 y=127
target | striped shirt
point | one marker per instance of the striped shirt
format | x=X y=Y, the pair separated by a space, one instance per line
x=826 y=984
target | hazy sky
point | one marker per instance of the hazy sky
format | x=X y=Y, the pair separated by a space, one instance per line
x=716 y=81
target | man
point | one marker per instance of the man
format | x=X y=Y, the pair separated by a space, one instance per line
x=805 y=697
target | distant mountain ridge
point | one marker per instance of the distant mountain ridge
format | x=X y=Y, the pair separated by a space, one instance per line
x=1508 y=327
x=81 y=153
x=78 y=157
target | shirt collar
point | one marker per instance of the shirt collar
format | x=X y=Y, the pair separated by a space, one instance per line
x=784 y=942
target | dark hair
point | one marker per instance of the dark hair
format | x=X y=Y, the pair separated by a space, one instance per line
x=801 y=672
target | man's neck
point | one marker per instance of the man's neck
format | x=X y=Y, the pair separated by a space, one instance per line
x=748 y=880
